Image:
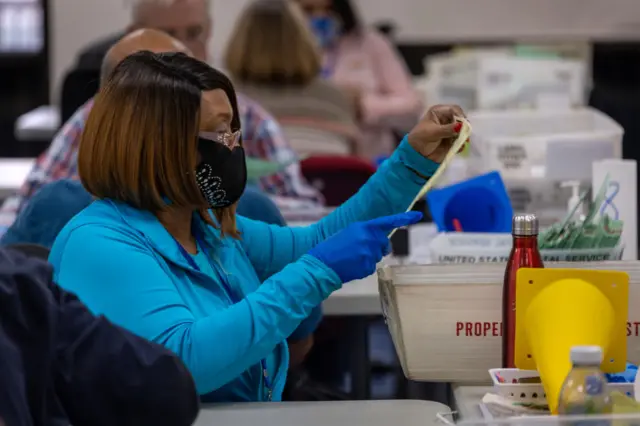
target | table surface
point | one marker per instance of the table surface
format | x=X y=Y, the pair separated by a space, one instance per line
x=467 y=400
x=351 y=413
x=40 y=124
x=13 y=172
x=359 y=297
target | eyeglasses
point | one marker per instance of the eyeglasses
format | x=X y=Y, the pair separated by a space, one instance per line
x=228 y=139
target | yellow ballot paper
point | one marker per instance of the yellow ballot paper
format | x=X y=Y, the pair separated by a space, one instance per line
x=464 y=134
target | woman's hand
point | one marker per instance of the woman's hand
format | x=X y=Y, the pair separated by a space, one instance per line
x=437 y=130
x=354 y=252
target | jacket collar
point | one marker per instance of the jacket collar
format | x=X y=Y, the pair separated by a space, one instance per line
x=147 y=224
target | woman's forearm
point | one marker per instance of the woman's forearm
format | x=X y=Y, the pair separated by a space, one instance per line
x=389 y=191
x=251 y=329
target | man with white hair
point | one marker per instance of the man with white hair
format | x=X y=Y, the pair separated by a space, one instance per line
x=186 y=20
x=190 y=22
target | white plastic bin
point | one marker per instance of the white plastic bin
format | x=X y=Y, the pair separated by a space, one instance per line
x=446 y=320
x=510 y=388
x=517 y=143
x=520 y=82
x=544 y=420
x=498 y=79
x=455 y=75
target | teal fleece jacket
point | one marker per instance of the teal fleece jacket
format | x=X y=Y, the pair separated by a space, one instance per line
x=122 y=263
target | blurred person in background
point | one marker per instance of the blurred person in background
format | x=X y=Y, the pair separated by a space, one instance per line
x=264 y=136
x=47 y=212
x=57 y=202
x=163 y=253
x=368 y=68
x=190 y=22
x=59 y=161
x=273 y=57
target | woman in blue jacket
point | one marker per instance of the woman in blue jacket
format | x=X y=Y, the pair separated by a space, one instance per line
x=162 y=253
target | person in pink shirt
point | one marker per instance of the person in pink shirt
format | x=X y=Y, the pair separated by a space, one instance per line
x=367 y=68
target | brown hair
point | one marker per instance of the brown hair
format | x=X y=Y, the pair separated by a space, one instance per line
x=272 y=44
x=139 y=144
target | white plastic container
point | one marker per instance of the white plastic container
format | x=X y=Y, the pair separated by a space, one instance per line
x=445 y=320
x=510 y=388
x=490 y=79
x=519 y=82
x=454 y=75
x=467 y=247
x=525 y=144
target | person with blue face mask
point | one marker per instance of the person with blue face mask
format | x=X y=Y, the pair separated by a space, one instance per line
x=326 y=28
x=284 y=73
x=368 y=69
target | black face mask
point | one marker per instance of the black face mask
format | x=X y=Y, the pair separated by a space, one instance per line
x=221 y=174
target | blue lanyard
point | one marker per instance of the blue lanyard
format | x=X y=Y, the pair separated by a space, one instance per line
x=232 y=295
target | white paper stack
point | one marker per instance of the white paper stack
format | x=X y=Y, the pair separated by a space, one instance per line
x=498 y=79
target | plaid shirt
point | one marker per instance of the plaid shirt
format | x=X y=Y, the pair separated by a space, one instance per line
x=262 y=138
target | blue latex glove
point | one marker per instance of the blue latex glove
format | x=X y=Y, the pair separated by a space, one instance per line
x=354 y=252
x=379 y=160
x=628 y=376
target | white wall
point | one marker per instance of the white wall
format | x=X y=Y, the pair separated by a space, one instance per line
x=73 y=24
x=527 y=19
x=77 y=22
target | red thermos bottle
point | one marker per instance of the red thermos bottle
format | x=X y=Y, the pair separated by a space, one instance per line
x=524 y=254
